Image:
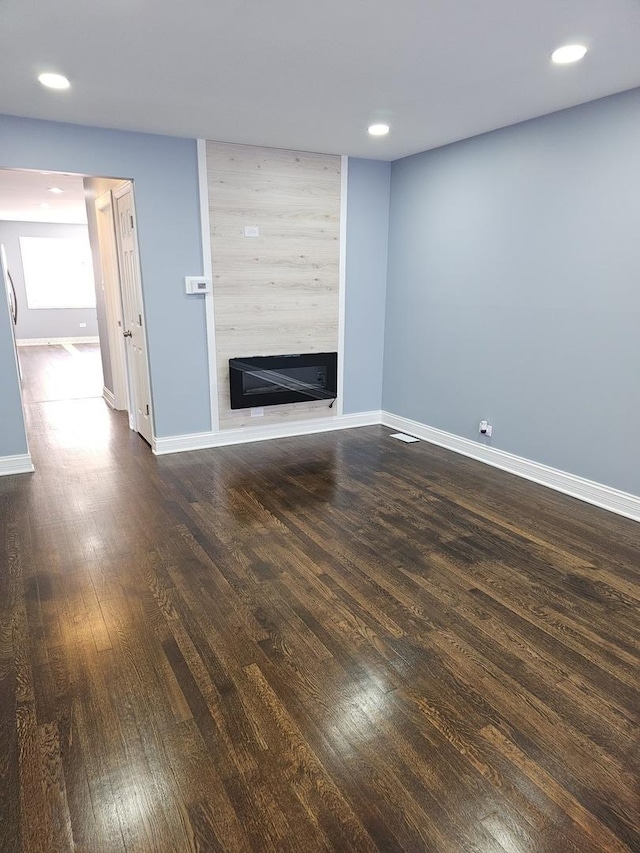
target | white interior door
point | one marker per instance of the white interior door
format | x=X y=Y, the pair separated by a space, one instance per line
x=133 y=313
x=112 y=298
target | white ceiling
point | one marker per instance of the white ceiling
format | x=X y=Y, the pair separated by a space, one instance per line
x=312 y=75
x=22 y=193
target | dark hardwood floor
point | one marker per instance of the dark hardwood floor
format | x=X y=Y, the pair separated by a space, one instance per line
x=335 y=642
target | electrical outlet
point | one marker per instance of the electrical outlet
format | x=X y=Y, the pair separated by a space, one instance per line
x=257 y=412
x=485 y=428
x=82 y=325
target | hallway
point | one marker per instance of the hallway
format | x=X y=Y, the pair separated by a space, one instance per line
x=60 y=372
x=65 y=412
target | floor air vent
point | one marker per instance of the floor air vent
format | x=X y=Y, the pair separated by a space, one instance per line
x=401 y=436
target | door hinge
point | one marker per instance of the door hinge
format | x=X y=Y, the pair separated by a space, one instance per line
x=131 y=220
x=147 y=407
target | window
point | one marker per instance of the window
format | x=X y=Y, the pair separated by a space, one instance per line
x=58 y=272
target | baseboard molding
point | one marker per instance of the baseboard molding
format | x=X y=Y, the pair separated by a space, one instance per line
x=40 y=342
x=108 y=397
x=206 y=440
x=20 y=464
x=605 y=497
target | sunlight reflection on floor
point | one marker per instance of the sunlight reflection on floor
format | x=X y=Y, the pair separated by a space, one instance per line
x=78 y=424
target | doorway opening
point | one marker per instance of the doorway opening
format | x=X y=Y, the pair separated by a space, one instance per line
x=70 y=262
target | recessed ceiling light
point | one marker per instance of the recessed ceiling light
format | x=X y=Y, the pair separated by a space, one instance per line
x=568 y=53
x=54 y=81
x=378 y=129
x=55 y=190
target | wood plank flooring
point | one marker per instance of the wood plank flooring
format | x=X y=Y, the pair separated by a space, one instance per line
x=334 y=642
x=57 y=372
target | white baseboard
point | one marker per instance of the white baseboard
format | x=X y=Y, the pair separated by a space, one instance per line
x=605 y=497
x=20 y=464
x=108 y=397
x=205 y=440
x=40 y=342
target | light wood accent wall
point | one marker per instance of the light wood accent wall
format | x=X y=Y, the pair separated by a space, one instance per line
x=276 y=293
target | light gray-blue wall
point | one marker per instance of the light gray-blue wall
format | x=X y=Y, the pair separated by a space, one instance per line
x=44 y=322
x=366 y=278
x=514 y=289
x=165 y=175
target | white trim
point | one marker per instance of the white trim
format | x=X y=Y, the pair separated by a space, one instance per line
x=342 y=278
x=24 y=459
x=20 y=464
x=207 y=272
x=605 y=497
x=38 y=342
x=109 y=397
x=204 y=440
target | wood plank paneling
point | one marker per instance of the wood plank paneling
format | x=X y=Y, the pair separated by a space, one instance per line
x=276 y=293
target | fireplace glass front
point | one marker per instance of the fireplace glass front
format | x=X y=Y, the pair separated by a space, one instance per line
x=275 y=379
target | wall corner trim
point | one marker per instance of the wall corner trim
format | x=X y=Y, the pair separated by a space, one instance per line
x=207 y=270
x=605 y=497
x=109 y=397
x=20 y=464
x=342 y=277
x=206 y=440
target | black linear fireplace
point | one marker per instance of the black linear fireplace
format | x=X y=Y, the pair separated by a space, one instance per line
x=273 y=379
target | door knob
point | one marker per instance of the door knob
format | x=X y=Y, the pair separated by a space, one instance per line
x=127 y=334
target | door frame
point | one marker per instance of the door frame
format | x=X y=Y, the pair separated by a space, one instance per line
x=118 y=192
x=25 y=463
